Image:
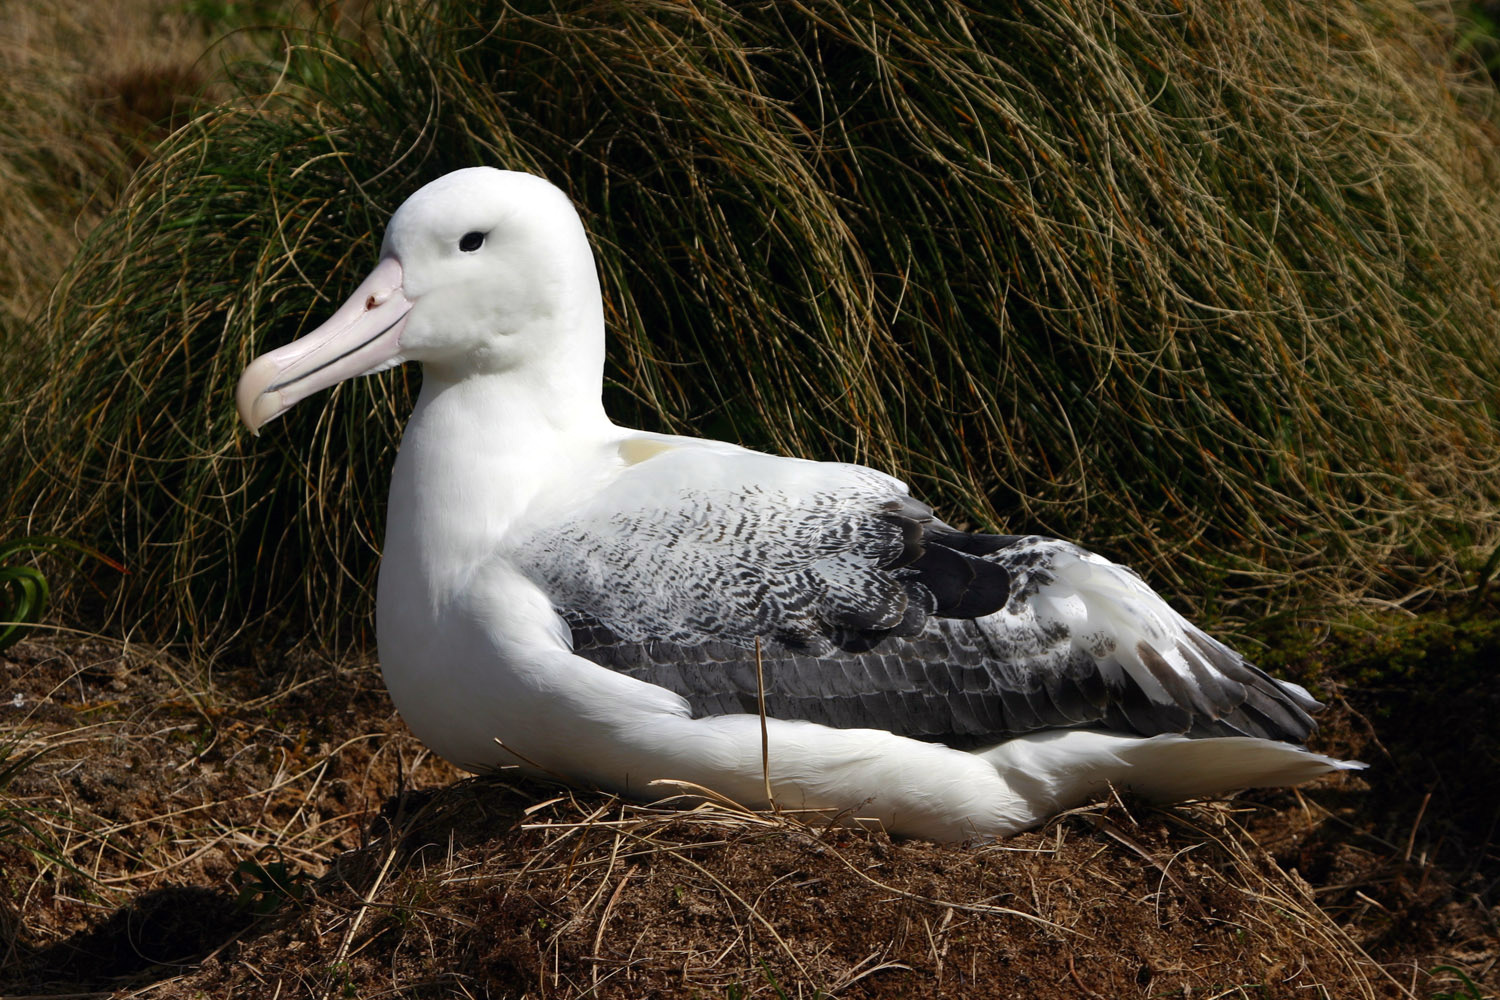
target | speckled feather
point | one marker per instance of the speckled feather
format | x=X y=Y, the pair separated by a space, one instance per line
x=872 y=613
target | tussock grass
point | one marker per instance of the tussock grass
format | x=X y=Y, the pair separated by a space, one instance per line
x=1210 y=288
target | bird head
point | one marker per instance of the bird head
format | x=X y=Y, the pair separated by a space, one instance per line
x=482 y=270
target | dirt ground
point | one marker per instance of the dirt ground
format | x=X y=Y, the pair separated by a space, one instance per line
x=273 y=830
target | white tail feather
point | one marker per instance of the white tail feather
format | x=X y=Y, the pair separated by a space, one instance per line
x=1058 y=770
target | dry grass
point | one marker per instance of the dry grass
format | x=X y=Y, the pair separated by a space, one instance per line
x=255 y=832
x=151 y=779
x=89 y=88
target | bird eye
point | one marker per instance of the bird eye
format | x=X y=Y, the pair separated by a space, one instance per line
x=471 y=242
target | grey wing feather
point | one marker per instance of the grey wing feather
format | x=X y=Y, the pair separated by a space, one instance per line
x=870 y=613
x=939 y=686
x=840 y=563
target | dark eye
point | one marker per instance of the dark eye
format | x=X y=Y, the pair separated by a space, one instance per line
x=471 y=242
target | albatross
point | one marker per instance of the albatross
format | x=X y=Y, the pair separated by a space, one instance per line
x=611 y=606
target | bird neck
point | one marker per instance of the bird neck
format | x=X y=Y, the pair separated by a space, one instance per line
x=477 y=453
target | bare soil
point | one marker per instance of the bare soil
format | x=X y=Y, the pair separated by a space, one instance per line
x=271 y=829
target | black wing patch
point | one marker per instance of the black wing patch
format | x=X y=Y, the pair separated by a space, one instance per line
x=936 y=571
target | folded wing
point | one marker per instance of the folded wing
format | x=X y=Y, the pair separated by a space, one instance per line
x=868 y=612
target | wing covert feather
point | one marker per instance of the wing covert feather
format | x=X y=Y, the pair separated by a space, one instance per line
x=870 y=613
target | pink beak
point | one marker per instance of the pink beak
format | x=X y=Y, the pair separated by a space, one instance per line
x=363 y=337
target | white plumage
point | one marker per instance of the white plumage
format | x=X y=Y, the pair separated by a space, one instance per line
x=564 y=594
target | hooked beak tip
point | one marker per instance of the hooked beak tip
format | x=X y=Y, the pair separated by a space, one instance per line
x=255 y=400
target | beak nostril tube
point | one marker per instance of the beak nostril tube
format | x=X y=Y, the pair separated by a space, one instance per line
x=362 y=336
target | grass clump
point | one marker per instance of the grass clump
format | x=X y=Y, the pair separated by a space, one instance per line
x=1208 y=288
x=24 y=591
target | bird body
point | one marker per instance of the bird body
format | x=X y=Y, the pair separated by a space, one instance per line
x=609 y=606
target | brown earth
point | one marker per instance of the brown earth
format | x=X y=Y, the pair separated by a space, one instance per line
x=273 y=830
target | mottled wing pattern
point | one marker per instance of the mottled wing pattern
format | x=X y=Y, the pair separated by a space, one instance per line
x=870 y=613
x=697 y=547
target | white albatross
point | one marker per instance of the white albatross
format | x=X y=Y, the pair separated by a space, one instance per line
x=586 y=600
